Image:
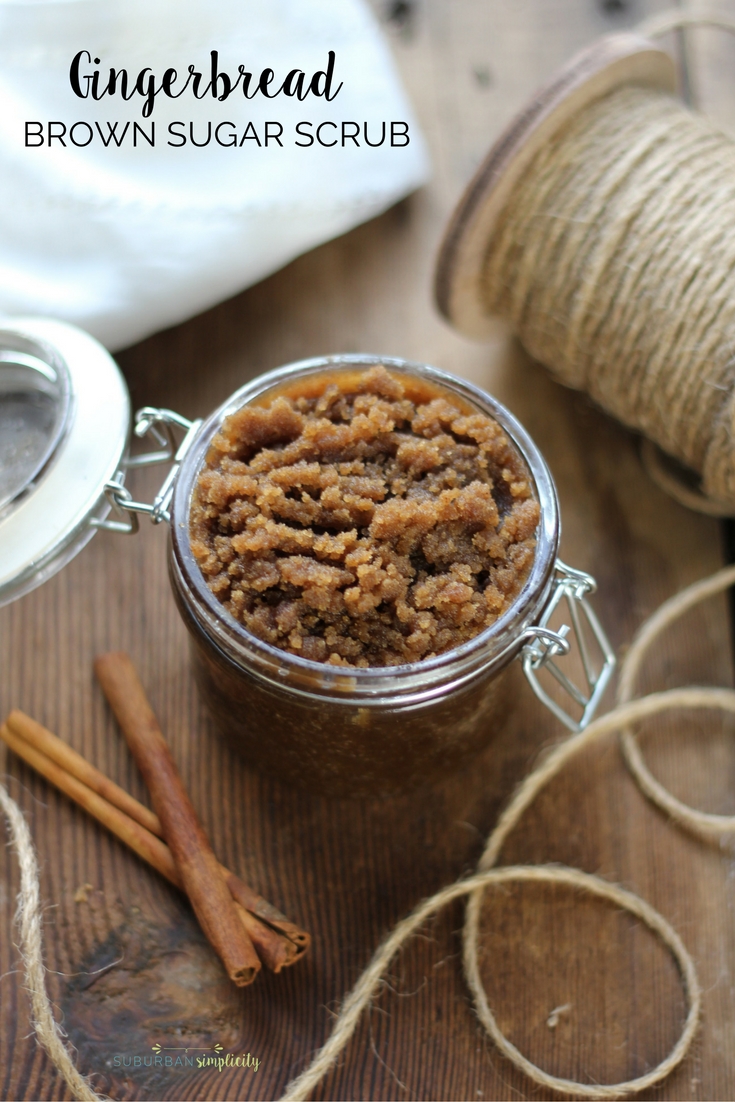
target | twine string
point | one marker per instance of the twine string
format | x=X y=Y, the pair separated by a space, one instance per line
x=474 y=887
x=28 y=919
x=708 y=827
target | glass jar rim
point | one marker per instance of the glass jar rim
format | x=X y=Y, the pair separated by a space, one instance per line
x=365 y=684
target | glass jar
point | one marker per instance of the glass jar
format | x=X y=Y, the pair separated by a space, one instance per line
x=359 y=731
x=370 y=731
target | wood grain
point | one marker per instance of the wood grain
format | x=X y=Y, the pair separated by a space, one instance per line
x=129 y=967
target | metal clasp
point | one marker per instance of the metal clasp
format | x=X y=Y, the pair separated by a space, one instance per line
x=544 y=646
x=160 y=425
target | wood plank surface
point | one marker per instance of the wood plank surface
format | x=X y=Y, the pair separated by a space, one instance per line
x=128 y=966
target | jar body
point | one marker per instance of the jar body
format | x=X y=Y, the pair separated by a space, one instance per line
x=341 y=748
x=363 y=732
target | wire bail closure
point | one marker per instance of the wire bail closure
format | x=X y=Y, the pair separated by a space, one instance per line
x=160 y=425
x=544 y=646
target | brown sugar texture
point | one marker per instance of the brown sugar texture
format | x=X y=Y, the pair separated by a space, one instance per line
x=357 y=526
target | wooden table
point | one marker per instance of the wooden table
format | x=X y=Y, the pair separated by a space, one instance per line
x=128 y=967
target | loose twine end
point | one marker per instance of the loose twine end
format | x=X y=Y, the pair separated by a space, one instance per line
x=28 y=918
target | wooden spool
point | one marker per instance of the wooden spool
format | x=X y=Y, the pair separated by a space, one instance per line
x=608 y=63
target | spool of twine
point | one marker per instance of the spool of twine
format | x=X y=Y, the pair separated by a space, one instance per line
x=614 y=260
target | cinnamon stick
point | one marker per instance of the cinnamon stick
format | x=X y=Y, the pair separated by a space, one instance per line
x=279 y=942
x=255 y=904
x=197 y=864
x=63 y=754
x=274 y=948
x=140 y=840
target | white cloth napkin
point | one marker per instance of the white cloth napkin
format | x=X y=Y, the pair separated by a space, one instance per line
x=125 y=241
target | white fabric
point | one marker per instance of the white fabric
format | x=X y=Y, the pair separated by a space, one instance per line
x=123 y=242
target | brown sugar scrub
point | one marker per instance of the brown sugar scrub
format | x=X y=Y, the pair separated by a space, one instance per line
x=364 y=520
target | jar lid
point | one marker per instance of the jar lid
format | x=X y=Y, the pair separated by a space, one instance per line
x=64 y=425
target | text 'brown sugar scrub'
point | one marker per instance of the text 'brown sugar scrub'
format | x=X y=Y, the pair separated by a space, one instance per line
x=373 y=523
x=360 y=548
